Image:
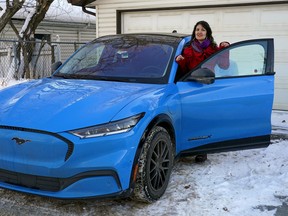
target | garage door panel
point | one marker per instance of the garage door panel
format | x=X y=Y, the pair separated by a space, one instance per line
x=231 y=36
x=280 y=102
x=175 y=22
x=193 y=17
x=282 y=58
x=280 y=43
x=281 y=87
x=138 y=23
x=281 y=70
x=274 y=16
x=235 y=19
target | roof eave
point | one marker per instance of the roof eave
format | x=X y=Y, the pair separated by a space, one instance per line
x=81 y=3
x=84 y=4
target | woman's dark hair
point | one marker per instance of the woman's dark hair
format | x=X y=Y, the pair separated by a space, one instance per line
x=208 y=29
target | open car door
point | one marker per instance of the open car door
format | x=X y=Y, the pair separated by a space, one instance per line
x=233 y=112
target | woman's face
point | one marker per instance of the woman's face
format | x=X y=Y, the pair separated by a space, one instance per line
x=200 y=33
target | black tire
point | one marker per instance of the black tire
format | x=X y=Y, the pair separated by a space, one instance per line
x=155 y=166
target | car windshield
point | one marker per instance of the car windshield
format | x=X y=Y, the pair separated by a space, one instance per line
x=128 y=58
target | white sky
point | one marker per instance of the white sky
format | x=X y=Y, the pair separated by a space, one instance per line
x=60 y=10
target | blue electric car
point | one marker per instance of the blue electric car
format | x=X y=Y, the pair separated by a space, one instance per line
x=111 y=119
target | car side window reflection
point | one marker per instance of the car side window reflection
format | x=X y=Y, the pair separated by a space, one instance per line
x=244 y=60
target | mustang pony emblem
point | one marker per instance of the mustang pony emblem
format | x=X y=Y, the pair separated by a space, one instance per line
x=20 y=141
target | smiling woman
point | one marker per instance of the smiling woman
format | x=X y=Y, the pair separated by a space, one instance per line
x=200 y=47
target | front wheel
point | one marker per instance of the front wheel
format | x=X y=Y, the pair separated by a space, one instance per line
x=155 y=165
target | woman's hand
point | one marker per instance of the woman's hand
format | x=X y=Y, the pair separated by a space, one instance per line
x=179 y=58
x=224 y=44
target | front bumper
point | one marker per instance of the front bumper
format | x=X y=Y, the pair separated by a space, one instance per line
x=91 y=184
x=65 y=166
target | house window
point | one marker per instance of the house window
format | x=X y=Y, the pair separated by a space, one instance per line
x=46 y=37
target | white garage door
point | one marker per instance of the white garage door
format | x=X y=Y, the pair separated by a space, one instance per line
x=230 y=24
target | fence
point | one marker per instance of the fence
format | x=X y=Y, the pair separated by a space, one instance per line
x=31 y=59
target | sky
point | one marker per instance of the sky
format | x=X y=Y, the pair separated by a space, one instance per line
x=240 y=183
x=60 y=10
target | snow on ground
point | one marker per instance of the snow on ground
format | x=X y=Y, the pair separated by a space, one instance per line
x=241 y=183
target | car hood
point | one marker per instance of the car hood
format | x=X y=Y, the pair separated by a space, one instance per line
x=58 y=105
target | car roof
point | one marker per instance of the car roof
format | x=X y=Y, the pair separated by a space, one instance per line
x=166 y=38
x=178 y=35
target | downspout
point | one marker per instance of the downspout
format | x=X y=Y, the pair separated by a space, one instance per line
x=87 y=11
x=84 y=3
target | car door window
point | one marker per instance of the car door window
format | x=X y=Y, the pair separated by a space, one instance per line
x=242 y=60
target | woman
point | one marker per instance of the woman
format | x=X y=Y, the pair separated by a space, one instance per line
x=201 y=46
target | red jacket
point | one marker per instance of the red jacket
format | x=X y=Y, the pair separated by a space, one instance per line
x=192 y=58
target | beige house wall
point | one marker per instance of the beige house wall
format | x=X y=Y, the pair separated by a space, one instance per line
x=68 y=32
x=106 y=10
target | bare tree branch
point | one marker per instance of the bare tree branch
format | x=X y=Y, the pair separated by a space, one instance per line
x=41 y=9
x=14 y=29
x=11 y=8
x=25 y=48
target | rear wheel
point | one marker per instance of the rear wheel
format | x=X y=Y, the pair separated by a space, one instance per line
x=155 y=165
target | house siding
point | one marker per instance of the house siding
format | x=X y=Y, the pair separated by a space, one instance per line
x=70 y=35
x=106 y=10
x=68 y=32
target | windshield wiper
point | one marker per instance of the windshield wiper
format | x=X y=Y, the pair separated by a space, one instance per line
x=115 y=79
x=71 y=76
x=91 y=77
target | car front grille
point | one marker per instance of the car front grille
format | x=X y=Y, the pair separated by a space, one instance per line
x=70 y=145
x=31 y=181
x=51 y=183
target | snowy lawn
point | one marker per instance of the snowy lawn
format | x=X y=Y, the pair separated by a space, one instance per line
x=244 y=183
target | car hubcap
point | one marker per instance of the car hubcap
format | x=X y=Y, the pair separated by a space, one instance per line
x=159 y=165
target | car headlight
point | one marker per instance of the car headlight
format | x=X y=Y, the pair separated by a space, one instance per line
x=115 y=127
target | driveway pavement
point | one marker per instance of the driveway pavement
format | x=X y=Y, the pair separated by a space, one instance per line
x=282 y=210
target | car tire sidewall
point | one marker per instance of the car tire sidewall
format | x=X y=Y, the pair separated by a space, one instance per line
x=144 y=191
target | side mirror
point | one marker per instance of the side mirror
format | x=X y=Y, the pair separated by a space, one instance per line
x=55 y=66
x=202 y=75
